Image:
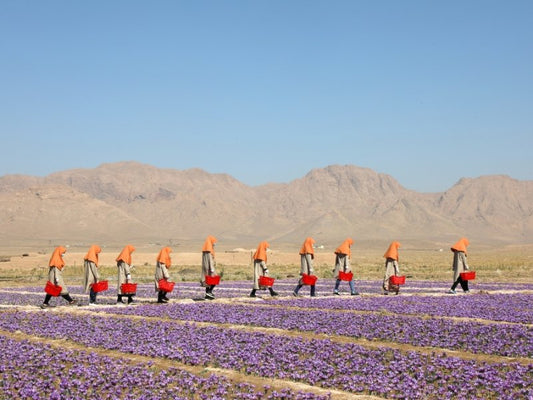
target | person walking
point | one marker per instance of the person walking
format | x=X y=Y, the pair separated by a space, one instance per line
x=161 y=272
x=56 y=265
x=307 y=255
x=391 y=268
x=459 y=265
x=91 y=276
x=260 y=268
x=124 y=272
x=343 y=253
x=208 y=265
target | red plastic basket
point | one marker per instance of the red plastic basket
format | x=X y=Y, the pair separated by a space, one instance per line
x=266 y=281
x=128 y=288
x=100 y=286
x=212 y=280
x=52 y=290
x=397 y=280
x=165 y=286
x=468 y=276
x=309 y=279
x=345 y=276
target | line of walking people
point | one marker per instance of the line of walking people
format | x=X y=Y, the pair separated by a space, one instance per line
x=341 y=272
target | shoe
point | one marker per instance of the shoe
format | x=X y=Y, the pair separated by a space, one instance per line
x=72 y=302
x=210 y=296
x=313 y=295
x=295 y=294
x=273 y=294
x=385 y=293
x=251 y=295
x=467 y=291
x=336 y=292
x=355 y=293
x=92 y=304
x=451 y=291
x=44 y=306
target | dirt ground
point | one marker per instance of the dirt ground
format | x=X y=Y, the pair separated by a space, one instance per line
x=509 y=264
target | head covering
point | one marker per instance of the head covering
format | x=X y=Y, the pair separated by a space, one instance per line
x=461 y=245
x=307 y=247
x=164 y=256
x=209 y=244
x=56 y=260
x=344 y=248
x=261 y=252
x=92 y=254
x=125 y=254
x=392 y=251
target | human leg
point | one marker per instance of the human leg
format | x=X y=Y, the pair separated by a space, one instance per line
x=464 y=285
x=46 y=301
x=337 y=284
x=68 y=298
x=297 y=289
x=352 y=288
x=92 y=297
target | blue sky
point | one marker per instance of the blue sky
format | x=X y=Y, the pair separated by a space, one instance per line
x=265 y=91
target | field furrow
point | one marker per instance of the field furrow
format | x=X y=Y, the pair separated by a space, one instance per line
x=319 y=362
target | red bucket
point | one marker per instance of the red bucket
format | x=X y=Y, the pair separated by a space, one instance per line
x=165 y=286
x=52 y=290
x=309 y=279
x=266 y=281
x=100 y=286
x=128 y=288
x=397 y=280
x=345 y=276
x=468 y=276
x=212 y=280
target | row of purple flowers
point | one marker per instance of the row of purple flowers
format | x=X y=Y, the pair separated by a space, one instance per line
x=79 y=375
x=512 y=340
x=346 y=366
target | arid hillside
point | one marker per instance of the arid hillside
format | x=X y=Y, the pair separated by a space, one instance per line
x=127 y=201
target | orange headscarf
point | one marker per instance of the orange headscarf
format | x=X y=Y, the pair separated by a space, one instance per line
x=344 y=248
x=461 y=245
x=92 y=255
x=125 y=254
x=392 y=251
x=56 y=260
x=261 y=252
x=164 y=256
x=209 y=244
x=307 y=247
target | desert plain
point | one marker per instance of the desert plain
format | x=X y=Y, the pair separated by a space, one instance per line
x=510 y=263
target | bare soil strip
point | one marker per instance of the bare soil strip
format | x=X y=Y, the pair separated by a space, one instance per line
x=161 y=363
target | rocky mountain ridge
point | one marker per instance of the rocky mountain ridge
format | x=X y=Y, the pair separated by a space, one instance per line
x=128 y=201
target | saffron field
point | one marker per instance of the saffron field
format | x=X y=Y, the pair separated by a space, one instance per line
x=421 y=344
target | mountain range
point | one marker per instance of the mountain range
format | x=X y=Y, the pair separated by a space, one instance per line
x=128 y=201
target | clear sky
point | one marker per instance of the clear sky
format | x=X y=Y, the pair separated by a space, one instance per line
x=425 y=91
